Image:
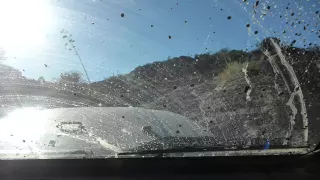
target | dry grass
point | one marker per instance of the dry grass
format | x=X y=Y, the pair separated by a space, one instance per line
x=231 y=69
x=235 y=67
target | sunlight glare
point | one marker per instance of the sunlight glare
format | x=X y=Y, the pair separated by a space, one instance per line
x=24 y=24
x=25 y=123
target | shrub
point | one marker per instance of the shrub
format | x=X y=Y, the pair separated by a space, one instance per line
x=72 y=76
x=254 y=67
x=41 y=79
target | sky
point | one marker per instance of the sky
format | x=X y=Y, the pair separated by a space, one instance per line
x=47 y=37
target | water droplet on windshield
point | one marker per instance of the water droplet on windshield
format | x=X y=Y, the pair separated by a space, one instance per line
x=52 y=143
x=246 y=89
x=256 y=3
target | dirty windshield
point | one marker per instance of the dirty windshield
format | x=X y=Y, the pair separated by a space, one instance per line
x=114 y=78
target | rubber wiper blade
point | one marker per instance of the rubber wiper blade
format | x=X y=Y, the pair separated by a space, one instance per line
x=167 y=145
x=180 y=145
x=186 y=149
x=192 y=149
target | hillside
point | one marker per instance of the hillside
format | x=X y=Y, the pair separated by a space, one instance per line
x=263 y=103
x=241 y=97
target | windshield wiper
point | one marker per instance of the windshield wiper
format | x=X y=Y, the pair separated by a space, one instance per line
x=174 y=150
x=167 y=145
x=190 y=149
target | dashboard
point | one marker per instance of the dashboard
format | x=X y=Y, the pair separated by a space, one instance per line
x=246 y=167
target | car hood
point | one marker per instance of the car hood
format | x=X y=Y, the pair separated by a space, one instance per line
x=88 y=130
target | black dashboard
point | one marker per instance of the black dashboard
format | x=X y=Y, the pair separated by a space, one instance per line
x=229 y=167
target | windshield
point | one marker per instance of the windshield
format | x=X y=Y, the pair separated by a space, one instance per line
x=104 y=77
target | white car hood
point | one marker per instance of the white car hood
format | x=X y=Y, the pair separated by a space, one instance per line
x=73 y=129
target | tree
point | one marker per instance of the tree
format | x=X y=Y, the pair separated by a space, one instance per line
x=71 y=76
x=71 y=41
x=41 y=79
x=224 y=50
x=2 y=54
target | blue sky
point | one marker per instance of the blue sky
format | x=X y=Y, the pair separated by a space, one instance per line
x=110 y=44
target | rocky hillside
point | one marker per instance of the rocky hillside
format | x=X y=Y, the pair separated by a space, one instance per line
x=259 y=100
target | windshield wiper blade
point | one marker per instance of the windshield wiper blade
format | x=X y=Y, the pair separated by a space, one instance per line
x=169 y=145
x=172 y=150
x=190 y=149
